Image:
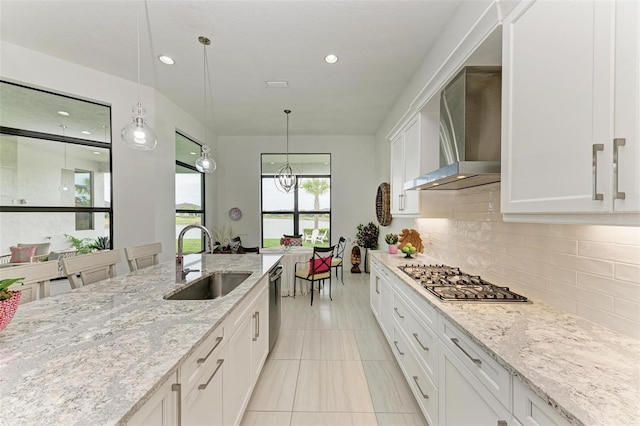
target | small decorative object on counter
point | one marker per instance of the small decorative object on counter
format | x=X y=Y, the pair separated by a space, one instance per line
x=367 y=237
x=9 y=301
x=355 y=260
x=392 y=240
x=411 y=236
x=408 y=250
x=286 y=243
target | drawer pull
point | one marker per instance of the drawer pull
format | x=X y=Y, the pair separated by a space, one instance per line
x=218 y=341
x=475 y=360
x=617 y=142
x=424 y=395
x=204 y=385
x=176 y=387
x=424 y=348
x=396 y=309
x=596 y=196
x=396 y=343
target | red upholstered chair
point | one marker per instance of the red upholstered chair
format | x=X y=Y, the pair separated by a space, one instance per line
x=318 y=268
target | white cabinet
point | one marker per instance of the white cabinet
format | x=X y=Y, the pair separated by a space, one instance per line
x=406 y=164
x=162 y=408
x=570 y=88
x=260 y=338
x=386 y=304
x=530 y=410
x=374 y=289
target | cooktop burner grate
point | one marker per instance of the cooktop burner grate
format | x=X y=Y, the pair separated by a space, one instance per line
x=449 y=283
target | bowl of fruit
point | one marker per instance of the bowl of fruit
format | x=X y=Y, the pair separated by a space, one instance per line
x=408 y=250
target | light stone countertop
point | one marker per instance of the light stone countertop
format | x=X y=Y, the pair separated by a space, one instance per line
x=95 y=355
x=589 y=373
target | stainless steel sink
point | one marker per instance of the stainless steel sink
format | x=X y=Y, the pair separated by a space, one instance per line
x=211 y=287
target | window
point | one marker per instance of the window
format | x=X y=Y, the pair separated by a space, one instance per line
x=190 y=207
x=55 y=168
x=306 y=210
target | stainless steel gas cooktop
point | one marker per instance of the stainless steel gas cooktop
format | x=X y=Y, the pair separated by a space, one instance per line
x=449 y=283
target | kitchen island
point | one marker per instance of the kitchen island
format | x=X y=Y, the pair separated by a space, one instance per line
x=581 y=372
x=97 y=354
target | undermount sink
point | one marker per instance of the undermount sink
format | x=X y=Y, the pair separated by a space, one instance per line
x=212 y=286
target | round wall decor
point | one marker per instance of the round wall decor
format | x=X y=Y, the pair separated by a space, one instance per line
x=235 y=213
x=383 y=204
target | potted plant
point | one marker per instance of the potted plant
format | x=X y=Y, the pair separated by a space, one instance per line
x=392 y=240
x=367 y=237
x=8 y=301
x=101 y=243
x=82 y=245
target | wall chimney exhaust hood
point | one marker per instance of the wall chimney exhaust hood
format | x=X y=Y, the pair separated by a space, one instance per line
x=469 y=132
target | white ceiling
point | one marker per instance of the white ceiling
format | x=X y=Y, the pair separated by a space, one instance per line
x=380 y=45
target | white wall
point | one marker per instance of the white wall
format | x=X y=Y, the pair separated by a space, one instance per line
x=143 y=182
x=353 y=188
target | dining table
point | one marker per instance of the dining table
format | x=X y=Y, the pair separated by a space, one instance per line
x=290 y=257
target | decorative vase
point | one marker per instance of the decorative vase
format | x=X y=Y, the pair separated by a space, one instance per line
x=8 y=309
x=393 y=249
x=286 y=247
x=366 y=260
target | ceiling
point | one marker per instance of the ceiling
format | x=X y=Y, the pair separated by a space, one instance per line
x=380 y=45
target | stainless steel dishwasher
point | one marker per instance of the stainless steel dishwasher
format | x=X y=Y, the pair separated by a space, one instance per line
x=275 y=304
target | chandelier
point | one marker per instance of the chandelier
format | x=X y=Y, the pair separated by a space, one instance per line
x=286 y=178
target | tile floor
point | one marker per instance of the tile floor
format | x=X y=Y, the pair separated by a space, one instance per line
x=332 y=366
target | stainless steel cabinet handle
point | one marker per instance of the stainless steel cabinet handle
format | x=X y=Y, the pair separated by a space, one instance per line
x=617 y=142
x=396 y=309
x=258 y=326
x=502 y=423
x=218 y=341
x=255 y=333
x=401 y=202
x=415 y=336
x=378 y=285
x=475 y=360
x=594 y=171
x=176 y=387
x=204 y=385
x=424 y=395
x=396 y=343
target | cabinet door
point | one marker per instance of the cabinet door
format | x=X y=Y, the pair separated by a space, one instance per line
x=374 y=290
x=161 y=408
x=203 y=404
x=627 y=106
x=386 y=307
x=237 y=383
x=463 y=400
x=260 y=335
x=557 y=102
x=397 y=174
x=412 y=163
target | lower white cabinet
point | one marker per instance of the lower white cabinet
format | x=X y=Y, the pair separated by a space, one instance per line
x=162 y=409
x=374 y=288
x=530 y=410
x=202 y=404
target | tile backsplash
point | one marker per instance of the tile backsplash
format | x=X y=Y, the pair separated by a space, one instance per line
x=589 y=271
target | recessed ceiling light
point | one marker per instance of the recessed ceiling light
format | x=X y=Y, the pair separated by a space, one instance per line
x=435 y=184
x=65 y=113
x=277 y=84
x=272 y=163
x=167 y=60
x=193 y=153
x=84 y=132
x=460 y=177
x=331 y=59
x=96 y=152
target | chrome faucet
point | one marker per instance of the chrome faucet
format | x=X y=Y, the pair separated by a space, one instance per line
x=181 y=273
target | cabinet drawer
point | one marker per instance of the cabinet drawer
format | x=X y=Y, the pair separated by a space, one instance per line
x=422 y=387
x=531 y=410
x=421 y=338
x=202 y=359
x=491 y=374
x=428 y=314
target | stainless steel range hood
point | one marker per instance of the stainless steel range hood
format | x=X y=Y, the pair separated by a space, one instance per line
x=469 y=132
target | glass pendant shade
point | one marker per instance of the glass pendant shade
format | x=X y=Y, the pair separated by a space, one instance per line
x=205 y=163
x=137 y=134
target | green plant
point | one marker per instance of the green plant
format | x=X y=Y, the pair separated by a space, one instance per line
x=82 y=245
x=391 y=239
x=4 y=287
x=101 y=243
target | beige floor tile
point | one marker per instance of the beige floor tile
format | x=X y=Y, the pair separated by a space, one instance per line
x=389 y=390
x=266 y=418
x=328 y=319
x=401 y=419
x=373 y=345
x=288 y=345
x=330 y=345
x=333 y=419
x=361 y=319
x=332 y=386
x=276 y=386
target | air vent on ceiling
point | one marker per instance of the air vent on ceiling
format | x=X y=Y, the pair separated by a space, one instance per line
x=278 y=84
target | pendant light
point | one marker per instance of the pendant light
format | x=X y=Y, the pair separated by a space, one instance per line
x=286 y=178
x=63 y=185
x=205 y=163
x=137 y=134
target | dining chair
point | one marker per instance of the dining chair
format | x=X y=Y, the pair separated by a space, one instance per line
x=337 y=261
x=91 y=267
x=318 y=268
x=37 y=278
x=143 y=256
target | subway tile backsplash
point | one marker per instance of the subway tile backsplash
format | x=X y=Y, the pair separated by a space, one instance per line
x=589 y=271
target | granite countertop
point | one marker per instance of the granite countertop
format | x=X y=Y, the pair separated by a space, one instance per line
x=95 y=355
x=589 y=373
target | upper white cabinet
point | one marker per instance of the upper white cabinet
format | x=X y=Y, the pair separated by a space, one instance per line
x=571 y=102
